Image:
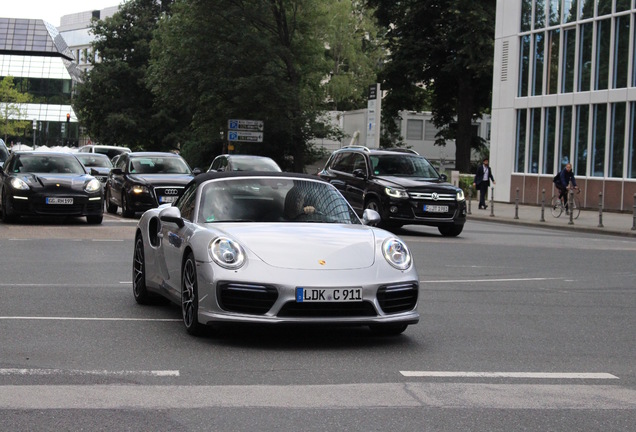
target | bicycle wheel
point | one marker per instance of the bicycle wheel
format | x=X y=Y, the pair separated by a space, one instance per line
x=576 y=207
x=556 y=206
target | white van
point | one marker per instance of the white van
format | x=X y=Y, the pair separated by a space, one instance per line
x=110 y=151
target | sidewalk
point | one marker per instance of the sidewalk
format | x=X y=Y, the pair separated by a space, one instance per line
x=588 y=221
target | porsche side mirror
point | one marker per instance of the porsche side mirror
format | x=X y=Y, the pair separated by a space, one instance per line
x=172 y=215
x=196 y=171
x=359 y=173
x=443 y=177
x=371 y=217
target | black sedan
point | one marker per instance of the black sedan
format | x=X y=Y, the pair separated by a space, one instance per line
x=49 y=184
x=144 y=180
x=97 y=164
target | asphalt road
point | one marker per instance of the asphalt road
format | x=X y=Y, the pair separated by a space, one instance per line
x=522 y=328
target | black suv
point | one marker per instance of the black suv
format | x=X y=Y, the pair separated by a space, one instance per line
x=400 y=185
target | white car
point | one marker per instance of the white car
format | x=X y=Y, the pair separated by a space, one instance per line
x=272 y=248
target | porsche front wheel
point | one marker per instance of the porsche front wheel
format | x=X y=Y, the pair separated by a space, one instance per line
x=139 y=273
x=190 y=297
x=7 y=210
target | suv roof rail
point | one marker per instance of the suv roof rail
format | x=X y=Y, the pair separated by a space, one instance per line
x=360 y=147
x=402 y=150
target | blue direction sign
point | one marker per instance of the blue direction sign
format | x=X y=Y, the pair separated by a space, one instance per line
x=245 y=125
x=245 y=136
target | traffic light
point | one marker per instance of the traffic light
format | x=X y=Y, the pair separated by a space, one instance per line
x=68 y=118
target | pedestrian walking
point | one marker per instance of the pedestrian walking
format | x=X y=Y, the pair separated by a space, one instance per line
x=482 y=181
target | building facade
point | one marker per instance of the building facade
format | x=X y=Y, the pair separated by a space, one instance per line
x=564 y=91
x=41 y=64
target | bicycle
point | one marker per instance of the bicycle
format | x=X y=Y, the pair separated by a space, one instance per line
x=557 y=207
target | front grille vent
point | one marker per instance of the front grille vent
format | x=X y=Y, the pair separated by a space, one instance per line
x=246 y=298
x=293 y=309
x=429 y=196
x=398 y=298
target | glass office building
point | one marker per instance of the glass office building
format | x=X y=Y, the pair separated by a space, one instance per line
x=564 y=91
x=41 y=64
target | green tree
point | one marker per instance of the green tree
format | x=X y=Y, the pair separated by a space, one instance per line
x=114 y=102
x=266 y=60
x=442 y=50
x=12 y=113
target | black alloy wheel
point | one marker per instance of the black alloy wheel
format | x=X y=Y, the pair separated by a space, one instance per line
x=95 y=219
x=8 y=215
x=139 y=273
x=190 y=297
x=126 y=211
x=451 y=230
x=110 y=206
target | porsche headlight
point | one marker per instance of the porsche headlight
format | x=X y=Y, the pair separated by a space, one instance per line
x=396 y=253
x=139 y=189
x=19 y=184
x=93 y=186
x=227 y=253
x=460 y=195
x=396 y=193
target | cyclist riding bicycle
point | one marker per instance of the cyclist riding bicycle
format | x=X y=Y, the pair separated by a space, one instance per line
x=562 y=181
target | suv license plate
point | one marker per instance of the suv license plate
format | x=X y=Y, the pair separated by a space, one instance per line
x=167 y=199
x=59 y=200
x=328 y=295
x=436 y=209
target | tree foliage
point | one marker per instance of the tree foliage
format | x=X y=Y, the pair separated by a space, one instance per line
x=12 y=113
x=114 y=102
x=440 y=52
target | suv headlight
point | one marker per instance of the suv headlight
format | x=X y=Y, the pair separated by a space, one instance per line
x=139 y=189
x=227 y=253
x=396 y=253
x=396 y=193
x=19 y=184
x=93 y=186
x=460 y=195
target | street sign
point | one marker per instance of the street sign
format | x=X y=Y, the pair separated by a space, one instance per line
x=244 y=136
x=245 y=125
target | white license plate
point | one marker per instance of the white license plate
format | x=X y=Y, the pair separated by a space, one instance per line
x=59 y=200
x=328 y=295
x=167 y=199
x=435 y=209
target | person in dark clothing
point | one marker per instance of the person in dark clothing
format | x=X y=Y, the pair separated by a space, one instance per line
x=562 y=183
x=482 y=181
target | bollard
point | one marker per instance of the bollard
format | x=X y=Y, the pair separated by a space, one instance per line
x=542 y=206
x=517 y=205
x=570 y=201
x=470 y=198
x=634 y=213
x=600 y=210
x=492 y=202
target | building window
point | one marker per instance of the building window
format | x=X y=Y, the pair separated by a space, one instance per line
x=585 y=56
x=549 y=131
x=582 y=121
x=631 y=172
x=537 y=70
x=617 y=140
x=414 y=129
x=623 y=5
x=555 y=12
x=586 y=9
x=553 y=61
x=535 y=140
x=520 y=141
x=621 y=51
x=599 y=126
x=565 y=136
x=524 y=65
x=569 y=11
x=430 y=132
x=604 y=7
x=603 y=35
x=567 y=66
x=526 y=15
x=539 y=14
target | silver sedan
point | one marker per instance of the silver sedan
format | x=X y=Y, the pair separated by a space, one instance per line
x=268 y=248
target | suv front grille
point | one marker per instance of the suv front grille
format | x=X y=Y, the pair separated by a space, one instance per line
x=246 y=298
x=398 y=298
x=429 y=196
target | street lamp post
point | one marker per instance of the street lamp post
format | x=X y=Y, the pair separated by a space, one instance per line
x=35 y=126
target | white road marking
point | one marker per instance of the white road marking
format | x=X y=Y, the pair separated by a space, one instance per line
x=488 y=280
x=48 y=372
x=336 y=396
x=108 y=240
x=534 y=375
x=36 y=318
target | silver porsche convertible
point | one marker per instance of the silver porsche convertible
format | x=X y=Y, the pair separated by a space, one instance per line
x=273 y=248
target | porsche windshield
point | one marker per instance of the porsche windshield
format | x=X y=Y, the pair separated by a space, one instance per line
x=48 y=164
x=403 y=165
x=272 y=199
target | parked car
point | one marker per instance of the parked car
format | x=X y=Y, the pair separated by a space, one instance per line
x=142 y=180
x=97 y=164
x=400 y=185
x=234 y=249
x=4 y=152
x=49 y=184
x=110 y=151
x=236 y=162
